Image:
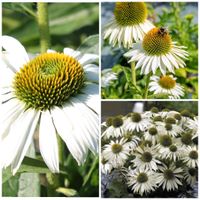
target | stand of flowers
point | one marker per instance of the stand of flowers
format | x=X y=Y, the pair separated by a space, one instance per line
x=159 y=61
x=153 y=150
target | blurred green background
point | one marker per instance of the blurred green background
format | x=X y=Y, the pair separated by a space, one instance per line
x=70 y=23
x=74 y=25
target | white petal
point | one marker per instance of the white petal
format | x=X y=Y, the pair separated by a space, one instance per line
x=48 y=142
x=88 y=123
x=92 y=101
x=16 y=54
x=26 y=143
x=66 y=128
x=19 y=132
x=9 y=112
x=92 y=72
x=89 y=58
x=71 y=52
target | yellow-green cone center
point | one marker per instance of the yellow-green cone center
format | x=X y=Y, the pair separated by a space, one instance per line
x=48 y=80
x=142 y=178
x=167 y=82
x=157 y=42
x=168 y=174
x=116 y=148
x=130 y=13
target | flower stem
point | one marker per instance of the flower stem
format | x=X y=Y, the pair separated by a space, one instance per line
x=147 y=86
x=133 y=72
x=43 y=24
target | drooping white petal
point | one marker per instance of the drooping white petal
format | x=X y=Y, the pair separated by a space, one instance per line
x=9 y=112
x=48 y=142
x=66 y=129
x=18 y=134
x=16 y=54
x=71 y=52
x=26 y=143
x=88 y=124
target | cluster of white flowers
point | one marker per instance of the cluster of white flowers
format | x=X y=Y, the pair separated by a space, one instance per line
x=153 y=149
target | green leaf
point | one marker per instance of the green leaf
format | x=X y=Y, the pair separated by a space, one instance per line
x=10 y=188
x=127 y=72
x=181 y=72
x=90 y=45
x=67 y=191
x=29 y=165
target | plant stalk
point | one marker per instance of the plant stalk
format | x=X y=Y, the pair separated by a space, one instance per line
x=147 y=86
x=43 y=24
x=133 y=72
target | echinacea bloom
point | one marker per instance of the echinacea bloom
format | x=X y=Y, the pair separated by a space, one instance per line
x=157 y=50
x=116 y=128
x=56 y=92
x=141 y=181
x=166 y=85
x=107 y=77
x=190 y=175
x=146 y=158
x=128 y=25
x=136 y=122
x=169 y=177
x=116 y=152
x=190 y=156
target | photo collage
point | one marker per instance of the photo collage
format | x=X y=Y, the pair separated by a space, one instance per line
x=99 y=99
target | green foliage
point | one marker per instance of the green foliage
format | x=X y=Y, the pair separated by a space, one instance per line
x=69 y=23
x=184 y=30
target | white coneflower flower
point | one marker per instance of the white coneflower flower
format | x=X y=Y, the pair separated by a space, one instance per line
x=128 y=25
x=146 y=158
x=170 y=129
x=166 y=85
x=192 y=124
x=136 y=122
x=107 y=77
x=116 y=152
x=190 y=175
x=141 y=181
x=152 y=134
x=190 y=156
x=106 y=167
x=173 y=152
x=58 y=91
x=157 y=51
x=169 y=177
x=116 y=128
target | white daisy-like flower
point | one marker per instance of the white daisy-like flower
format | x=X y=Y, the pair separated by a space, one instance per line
x=190 y=175
x=107 y=76
x=116 y=128
x=170 y=129
x=169 y=177
x=141 y=181
x=192 y=124
x=136 y=122
x=146 y=158
x=157 y=50
x=116 y=152
x=128 y=25
x=58 y=92
x=166 y=85
x=190 y=156
x=152 y=134
x=173 y=152
x=106 y=167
